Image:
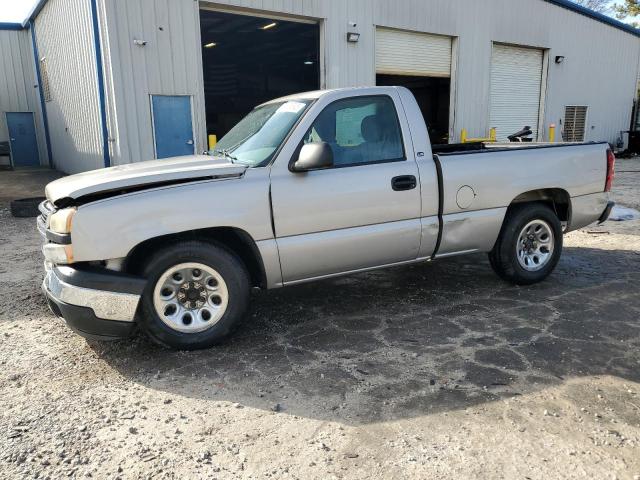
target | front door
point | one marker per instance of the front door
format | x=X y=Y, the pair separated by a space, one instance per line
x=362 y=213
x=172 y=126
x=22 y=138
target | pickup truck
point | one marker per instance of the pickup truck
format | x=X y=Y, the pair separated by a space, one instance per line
x=304 y=188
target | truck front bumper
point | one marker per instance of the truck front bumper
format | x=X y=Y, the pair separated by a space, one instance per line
x=95 y=303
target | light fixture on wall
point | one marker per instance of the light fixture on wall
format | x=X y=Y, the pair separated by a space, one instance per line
x=559 y=59
x=268 y=26
x=353 y=37
x=210 y=45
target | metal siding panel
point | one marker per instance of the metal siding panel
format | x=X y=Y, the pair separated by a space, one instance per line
x=593 y=50
x=169 y=64
x=17 y=81
x=409 y=53
x=112 y=120
x=516 y=75
x=64 y=34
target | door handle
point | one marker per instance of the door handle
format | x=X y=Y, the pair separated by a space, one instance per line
x=404 y=182
x=12 y=139
x=189 y=142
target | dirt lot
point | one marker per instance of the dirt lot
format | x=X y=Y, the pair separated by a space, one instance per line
x=431 y=371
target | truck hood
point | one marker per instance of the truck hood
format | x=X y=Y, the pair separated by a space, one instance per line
x=136 y=176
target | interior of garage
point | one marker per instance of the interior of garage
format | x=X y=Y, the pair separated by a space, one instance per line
x=422 y=63
x=248 y=60
x=433 y=97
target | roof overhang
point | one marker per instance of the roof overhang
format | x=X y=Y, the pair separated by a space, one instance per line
x=34 y=12
x=11 y=26
x=574 y=7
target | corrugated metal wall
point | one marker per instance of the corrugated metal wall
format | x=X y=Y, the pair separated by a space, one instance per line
x=169 y=64
x=18 y=92
x=65 y=38
x=600 y=68
x=596 y=55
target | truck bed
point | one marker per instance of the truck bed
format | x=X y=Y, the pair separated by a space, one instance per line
x=483 y=147
x=475 y=200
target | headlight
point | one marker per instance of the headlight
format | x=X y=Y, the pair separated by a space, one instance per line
x=60 y=222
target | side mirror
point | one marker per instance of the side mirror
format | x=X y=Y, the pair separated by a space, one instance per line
x=314 y=156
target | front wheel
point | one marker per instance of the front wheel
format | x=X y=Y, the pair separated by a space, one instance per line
x=529 y=245
x=195 y=294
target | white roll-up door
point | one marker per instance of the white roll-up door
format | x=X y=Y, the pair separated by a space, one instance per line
x=516 y=85
x=409 y=53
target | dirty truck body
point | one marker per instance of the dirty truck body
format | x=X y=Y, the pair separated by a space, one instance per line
x=306 y=187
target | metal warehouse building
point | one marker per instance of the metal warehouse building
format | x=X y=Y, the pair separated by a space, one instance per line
x=119 y=81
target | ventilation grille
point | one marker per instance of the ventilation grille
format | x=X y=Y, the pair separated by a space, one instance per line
x=575 y=122
x=44 y=75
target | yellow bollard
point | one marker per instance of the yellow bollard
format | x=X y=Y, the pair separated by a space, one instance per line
x=213 y=140
x=552 y=133
x=493 y=134
x=463 y=136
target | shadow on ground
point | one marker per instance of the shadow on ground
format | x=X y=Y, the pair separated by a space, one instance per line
x=409 y=341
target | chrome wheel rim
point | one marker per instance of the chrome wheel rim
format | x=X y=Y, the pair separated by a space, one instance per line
x=535 y=245
x=190 y=297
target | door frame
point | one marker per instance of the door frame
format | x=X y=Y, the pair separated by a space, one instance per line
x=153 y=123
x=35 y=134
x=280 y=170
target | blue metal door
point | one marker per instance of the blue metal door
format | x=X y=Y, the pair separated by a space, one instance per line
x=22 y=138
x=172 y=127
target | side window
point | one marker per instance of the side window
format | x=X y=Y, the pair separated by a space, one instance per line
x=360 y=130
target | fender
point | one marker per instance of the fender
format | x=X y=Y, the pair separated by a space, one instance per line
x=111 y=228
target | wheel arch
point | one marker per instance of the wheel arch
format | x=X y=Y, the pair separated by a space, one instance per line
x=557 y=199
x=234 y=239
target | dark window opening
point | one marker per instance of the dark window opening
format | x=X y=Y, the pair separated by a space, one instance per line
x=432 y=95
x=250 y=60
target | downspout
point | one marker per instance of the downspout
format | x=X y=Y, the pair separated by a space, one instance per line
x=43 y=107
x=101 y=90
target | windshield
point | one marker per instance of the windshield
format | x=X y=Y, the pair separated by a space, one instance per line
x=255 y=139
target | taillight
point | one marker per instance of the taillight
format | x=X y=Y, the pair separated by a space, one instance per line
x=611 y=168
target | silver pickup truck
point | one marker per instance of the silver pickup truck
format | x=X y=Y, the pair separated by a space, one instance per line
x=304 y=188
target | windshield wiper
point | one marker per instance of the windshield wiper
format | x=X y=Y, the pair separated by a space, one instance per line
x=225 y=153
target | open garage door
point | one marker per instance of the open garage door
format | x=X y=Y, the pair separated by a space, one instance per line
x=422 y=63
x=248 y=60
x=516 y=88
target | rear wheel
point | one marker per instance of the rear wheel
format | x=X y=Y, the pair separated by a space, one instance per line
x=529 y=245
x=196 y=293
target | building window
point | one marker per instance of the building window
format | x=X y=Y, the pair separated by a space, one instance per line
x=44 y=76
x=575 y=122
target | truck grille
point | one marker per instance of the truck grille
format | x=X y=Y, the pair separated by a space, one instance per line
x=46 y=209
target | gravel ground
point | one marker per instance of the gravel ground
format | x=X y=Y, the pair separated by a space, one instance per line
x=430 y=371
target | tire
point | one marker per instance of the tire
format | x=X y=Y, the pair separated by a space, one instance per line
x=163 y=316
x=531 y=261
x=26 y=207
